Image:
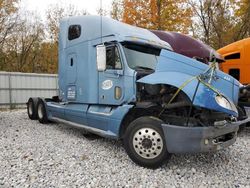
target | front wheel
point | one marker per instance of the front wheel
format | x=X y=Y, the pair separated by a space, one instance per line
x=145 y=143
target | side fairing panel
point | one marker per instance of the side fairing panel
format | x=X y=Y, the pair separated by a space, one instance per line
x=55 y=110
x=105 y=119
x=87 y=81
x=82 y=76
x=76 y=113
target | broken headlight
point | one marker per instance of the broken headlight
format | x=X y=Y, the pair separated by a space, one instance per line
x=225 y=103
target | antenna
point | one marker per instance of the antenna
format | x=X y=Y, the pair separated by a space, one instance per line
x=101 y=18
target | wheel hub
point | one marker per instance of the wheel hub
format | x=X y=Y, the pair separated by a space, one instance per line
x=148 y=143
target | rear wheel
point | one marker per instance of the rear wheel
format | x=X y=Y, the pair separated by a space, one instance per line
x=41 y=112
x=145 y=143
x=32 y=108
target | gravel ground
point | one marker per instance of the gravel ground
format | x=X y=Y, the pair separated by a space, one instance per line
x=55 y=155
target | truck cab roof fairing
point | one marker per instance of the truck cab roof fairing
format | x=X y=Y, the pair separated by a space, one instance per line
x=91 y=30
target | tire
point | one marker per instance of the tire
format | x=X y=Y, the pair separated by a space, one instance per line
x=241 y=112
x=41 y=112
x=145 y=144
x=242 y=116
x=32 y=108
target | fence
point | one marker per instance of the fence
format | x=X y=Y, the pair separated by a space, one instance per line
x=16 y=88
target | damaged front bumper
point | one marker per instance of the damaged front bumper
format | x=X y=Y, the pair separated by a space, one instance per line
x=200 y=139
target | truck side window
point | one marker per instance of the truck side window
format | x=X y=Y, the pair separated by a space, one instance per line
x=113 y=58
x=74 y=32
x=233 y=56
x=235 y=73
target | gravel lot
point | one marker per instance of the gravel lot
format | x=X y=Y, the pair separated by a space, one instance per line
x=55 y=155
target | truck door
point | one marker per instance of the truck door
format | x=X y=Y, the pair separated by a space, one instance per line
x=111 y=81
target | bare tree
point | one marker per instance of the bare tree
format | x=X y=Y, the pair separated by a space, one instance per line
x=8 y=18
x=23 y=44
x=117 y=10
x=55 y=13
x=203 y=11
x=220 y=22
x=243 y=19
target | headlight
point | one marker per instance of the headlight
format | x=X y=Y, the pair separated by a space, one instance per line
x=223 y=102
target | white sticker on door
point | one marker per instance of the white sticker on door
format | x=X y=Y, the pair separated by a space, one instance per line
x=107 y=84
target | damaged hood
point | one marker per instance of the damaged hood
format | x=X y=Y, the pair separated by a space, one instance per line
x=175 y=69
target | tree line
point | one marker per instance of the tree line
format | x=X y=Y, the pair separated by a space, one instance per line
x=29 y=44
x=215 y=22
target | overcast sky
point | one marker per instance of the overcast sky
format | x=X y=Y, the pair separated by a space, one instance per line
x=40 y=6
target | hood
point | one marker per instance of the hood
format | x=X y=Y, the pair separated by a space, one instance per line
x=175 y=69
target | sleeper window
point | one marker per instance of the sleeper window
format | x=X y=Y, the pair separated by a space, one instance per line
x=74 y=32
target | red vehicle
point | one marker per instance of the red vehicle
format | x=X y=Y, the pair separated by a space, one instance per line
x=188 y=46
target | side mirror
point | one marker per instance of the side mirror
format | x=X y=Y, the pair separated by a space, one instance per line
x=101 y=57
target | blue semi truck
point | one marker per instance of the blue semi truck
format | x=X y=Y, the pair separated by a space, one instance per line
x=123 y=82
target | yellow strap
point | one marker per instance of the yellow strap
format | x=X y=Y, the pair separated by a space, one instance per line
x=177 y=92
x=181 y=87
x=209 y=86
x=188 y=81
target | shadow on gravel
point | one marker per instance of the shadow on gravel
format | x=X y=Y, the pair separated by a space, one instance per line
x=91 y=136
x=244 y=131
x=78 y=132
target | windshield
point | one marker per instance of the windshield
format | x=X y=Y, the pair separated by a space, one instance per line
x=141 y=57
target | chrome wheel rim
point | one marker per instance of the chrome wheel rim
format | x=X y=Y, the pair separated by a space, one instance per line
x=30 y=108
x=148 y=143
x=40 y=111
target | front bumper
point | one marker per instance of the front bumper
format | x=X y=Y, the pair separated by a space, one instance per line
x=200 y=139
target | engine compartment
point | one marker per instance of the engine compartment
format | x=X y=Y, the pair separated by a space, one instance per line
x=160 y=101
